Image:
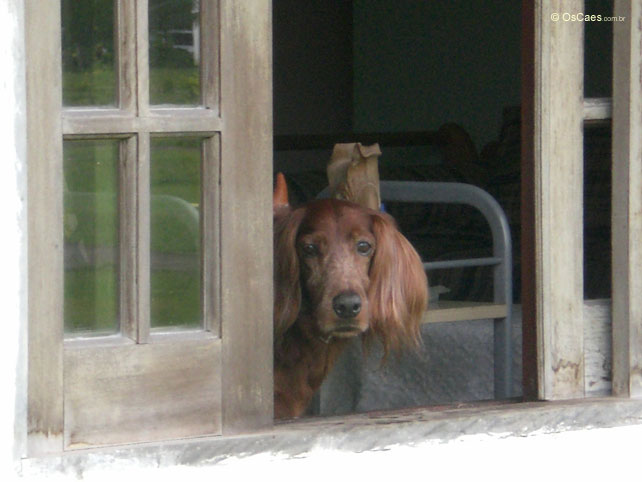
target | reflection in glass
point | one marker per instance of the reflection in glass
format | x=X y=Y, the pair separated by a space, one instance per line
x=89 y=76
x=176 y=233
x=91 y=241
x=174 y=76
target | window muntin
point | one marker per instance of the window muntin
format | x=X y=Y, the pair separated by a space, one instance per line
x=163 y=163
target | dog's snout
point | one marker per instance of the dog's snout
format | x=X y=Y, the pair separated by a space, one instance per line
x=347 y=305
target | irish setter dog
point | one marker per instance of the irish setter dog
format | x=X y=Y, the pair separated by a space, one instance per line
x=340 y=270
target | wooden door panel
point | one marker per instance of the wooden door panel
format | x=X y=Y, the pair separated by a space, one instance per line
x=141 y=393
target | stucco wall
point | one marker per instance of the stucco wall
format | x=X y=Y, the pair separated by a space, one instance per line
x=13 y=247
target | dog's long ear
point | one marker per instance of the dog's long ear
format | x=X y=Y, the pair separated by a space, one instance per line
x=287 y=288
x=398 y=293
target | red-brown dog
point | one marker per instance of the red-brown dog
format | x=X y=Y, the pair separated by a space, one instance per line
x=340 y=270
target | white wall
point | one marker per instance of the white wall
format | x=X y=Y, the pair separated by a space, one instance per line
x=599 y=454
x=13 y=248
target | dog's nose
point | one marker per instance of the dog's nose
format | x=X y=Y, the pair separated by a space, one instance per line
x=347 y=305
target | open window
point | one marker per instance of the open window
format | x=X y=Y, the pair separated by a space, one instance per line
x=149 y=159
x=138 y=333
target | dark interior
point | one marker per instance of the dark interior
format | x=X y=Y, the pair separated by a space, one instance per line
x=437 y=85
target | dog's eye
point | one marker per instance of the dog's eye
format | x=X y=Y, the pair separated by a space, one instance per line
x=310 y=250
x=364 y=248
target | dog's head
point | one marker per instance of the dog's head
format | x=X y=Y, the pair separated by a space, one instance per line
x=345 y=270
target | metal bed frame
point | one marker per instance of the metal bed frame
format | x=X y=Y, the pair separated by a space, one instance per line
x=501 y=260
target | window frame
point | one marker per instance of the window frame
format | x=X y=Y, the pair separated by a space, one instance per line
x=553 y=120
x=552 y=166
x=541 y=379
x=626 y=220
x=226 y=395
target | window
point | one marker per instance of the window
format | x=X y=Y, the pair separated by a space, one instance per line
x=96 y=192
x=554 y=344
x=151 y=184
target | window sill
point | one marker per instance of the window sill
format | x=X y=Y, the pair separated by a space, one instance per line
x=356 y=433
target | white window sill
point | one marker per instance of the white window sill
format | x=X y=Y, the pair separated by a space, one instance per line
x=354 y=434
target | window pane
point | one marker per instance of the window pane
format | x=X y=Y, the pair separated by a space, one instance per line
x=89 y=74
x=91 y=237
x=174 y=76
x=597 y=210
x=598 y=49
x=176 y=233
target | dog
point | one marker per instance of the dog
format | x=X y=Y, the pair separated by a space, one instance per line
x=340 y=271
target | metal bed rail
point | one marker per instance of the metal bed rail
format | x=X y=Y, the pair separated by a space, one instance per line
x=501 y=259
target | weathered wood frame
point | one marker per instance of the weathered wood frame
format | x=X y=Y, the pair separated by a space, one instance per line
x=552 y=188
x=246 y=214
x=44 y=161
x=552 y=140
x=86 y=391
x=627 y=200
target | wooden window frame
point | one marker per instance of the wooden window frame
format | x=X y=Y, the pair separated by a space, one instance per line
x=552 y=166
x=626 y=219
x=553 y=113
x=227 y=395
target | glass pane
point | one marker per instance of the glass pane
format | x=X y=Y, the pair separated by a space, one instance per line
x=176 y=233
x=597 y=210
x=91 y=237
x=598 y=48
x=89 y=74
x=174 y=76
